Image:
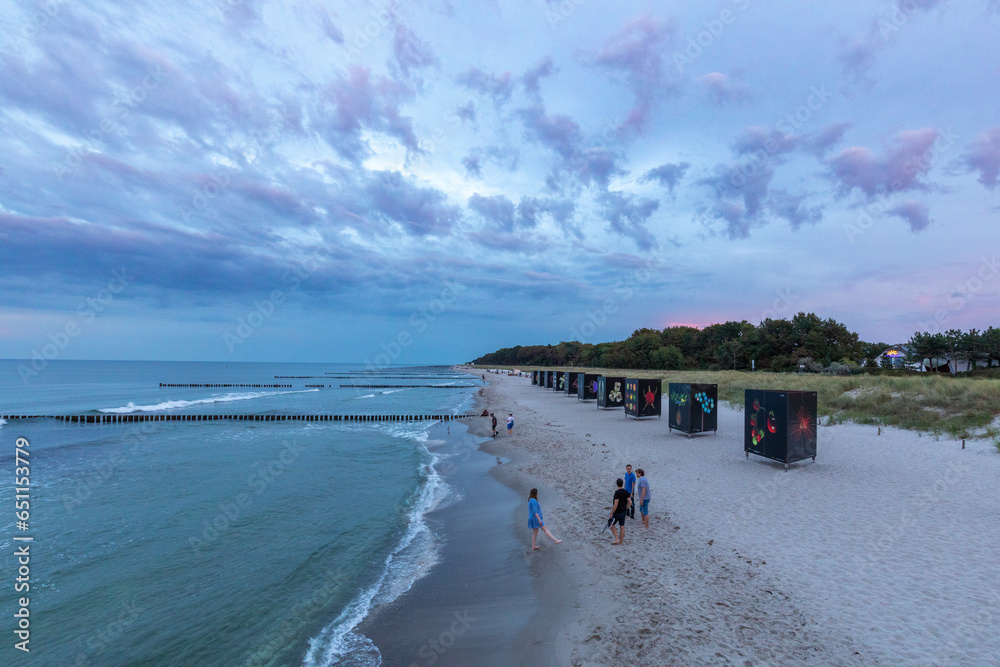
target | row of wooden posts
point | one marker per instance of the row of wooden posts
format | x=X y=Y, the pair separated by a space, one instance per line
x=126 y=419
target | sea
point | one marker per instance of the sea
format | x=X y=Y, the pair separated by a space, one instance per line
x=220 y=542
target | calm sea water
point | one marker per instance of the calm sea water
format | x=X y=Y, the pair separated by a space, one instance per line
x=218 y=543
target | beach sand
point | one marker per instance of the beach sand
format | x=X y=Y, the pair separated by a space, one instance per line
x=883 y=551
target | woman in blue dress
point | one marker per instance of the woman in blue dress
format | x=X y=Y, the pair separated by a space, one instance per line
x=535 y=520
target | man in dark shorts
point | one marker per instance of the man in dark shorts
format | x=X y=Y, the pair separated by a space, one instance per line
x=494 y=419
x=619 y=510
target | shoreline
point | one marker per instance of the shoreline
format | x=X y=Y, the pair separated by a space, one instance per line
x=557 y=596
x=473 y=604
x=747 y=564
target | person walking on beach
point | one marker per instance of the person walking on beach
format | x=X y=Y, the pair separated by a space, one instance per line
x=493 y=419
x=619 y=510
x=510 y=423
x=630 y=487
x=643 y=497
x=535 y=520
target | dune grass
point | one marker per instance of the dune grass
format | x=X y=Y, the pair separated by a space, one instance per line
x=962 y=407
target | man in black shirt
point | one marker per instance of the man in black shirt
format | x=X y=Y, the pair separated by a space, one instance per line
x=493 y=418
x=619 y=510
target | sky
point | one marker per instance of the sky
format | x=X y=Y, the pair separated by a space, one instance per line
x=426 y=181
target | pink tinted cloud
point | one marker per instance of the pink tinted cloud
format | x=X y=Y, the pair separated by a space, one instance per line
x=636 y=52
x=983 y=155
x=899 y=168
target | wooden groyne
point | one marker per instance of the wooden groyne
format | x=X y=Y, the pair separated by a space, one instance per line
x=370 y=377
x=411 y=386
x=132 y=418
x=247 y=386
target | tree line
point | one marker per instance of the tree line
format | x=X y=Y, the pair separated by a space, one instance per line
x=806 y=340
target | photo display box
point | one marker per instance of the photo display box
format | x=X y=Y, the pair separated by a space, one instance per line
x=586 y=384
x=534 y=378
x=693 y=408
x=642 y=398
x=780 y=425
x=572 y=384
x=560 y=381
x=550 y=379
x=610 y=392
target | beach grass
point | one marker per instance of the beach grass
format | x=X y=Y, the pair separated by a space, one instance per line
x=960 y=407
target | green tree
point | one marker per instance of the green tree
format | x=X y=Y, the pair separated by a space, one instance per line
x=990 y=340
x=927 y=346
x=953 y=340
x=668 y=358
x=972 y=348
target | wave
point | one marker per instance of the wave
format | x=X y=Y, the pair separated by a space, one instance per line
x=358 y=398
x=2 y=422
x=175 y=405
x=339 y=643
x=393 y=391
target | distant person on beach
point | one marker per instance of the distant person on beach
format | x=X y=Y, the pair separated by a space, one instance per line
x=630 y=487
x=535 y=520
x=619 y=510
x=644 y=497
x=494 y=418
x=510 y=423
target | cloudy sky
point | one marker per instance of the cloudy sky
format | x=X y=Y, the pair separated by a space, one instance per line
x=429 y=180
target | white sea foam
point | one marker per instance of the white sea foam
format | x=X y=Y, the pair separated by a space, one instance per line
x=411 y=559
x=2 y=422
x=358 y=398
x=174 y=405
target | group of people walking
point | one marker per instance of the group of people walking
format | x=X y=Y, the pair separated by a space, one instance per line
x=630 y=491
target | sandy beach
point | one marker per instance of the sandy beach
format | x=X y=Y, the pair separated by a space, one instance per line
x=883 y=551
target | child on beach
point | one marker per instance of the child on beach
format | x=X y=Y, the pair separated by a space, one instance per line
x=535 y=520
x=619 y=510
x=510 y=423
x=644 y=496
